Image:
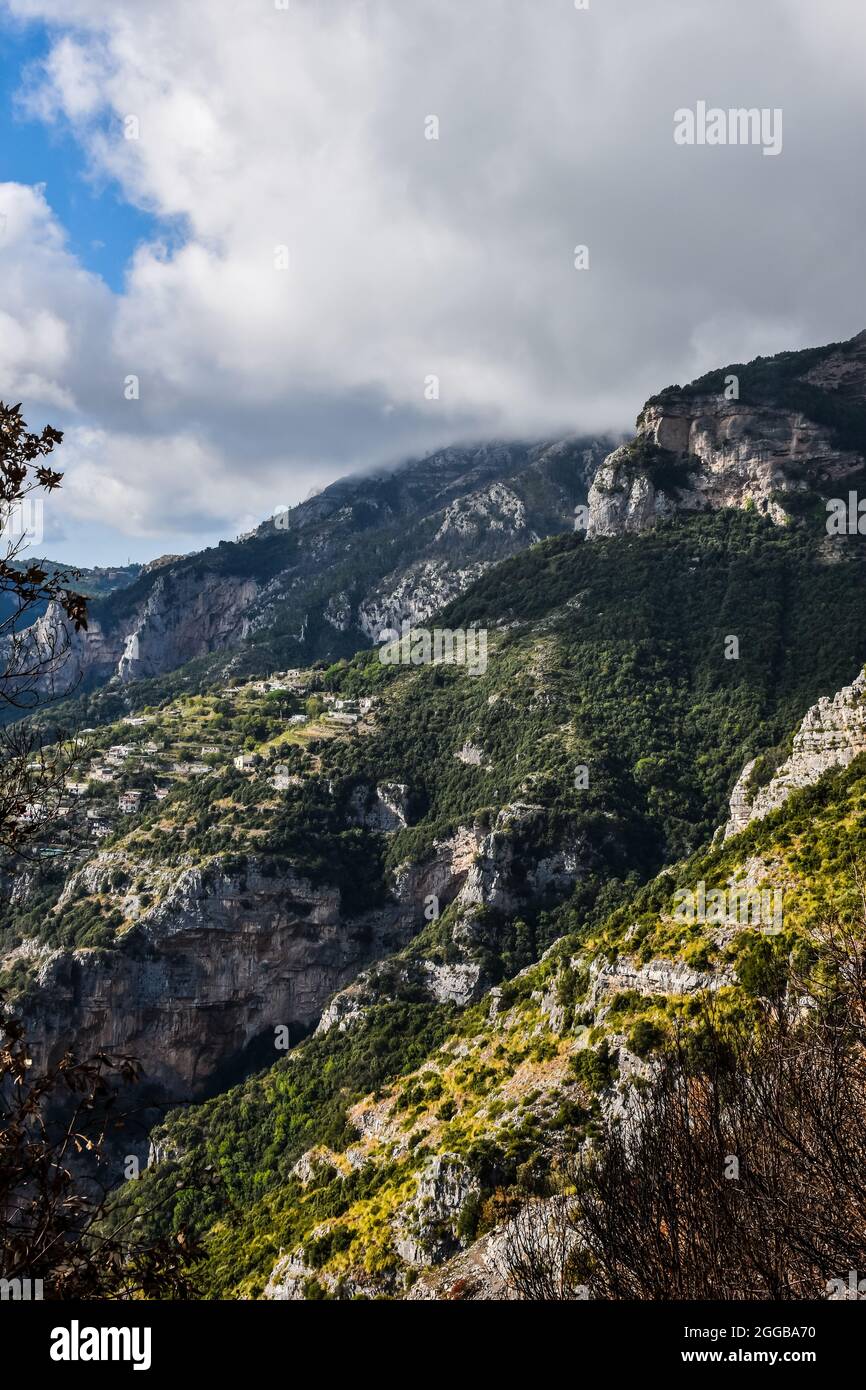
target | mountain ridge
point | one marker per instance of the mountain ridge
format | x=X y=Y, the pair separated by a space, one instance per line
x=322 y=579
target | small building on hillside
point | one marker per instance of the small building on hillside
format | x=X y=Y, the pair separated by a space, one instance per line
x=118 y=753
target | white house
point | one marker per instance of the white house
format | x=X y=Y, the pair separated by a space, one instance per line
x=118 y=753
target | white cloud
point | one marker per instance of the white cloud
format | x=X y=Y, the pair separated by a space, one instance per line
x=260 y=127
x=48 y=304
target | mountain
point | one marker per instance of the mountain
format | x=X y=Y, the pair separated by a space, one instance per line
x=243 y=901
x=449 y=894
x=778 y=435
x=452 y=1171
x=325 y=578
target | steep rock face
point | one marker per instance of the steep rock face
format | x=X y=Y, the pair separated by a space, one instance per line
x=183 y=615
x=698 y=450
x=493 y=519
x=474 y=869
x=501 y=875
x=489 y=868
x=425 y=1230
x=497 y=508
x=733 y=455
x=67 y=657
x=832 y=734
x=414 y=595
x=229 y=955
x=384 y=809
x=220 y=963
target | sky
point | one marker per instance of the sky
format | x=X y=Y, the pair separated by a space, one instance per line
x=249 y=246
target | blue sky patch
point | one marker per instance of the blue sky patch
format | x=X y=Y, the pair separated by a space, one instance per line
x=102 y=229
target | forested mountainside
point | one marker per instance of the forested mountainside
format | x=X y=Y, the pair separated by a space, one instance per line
x=778 y=435
x=452 y=894
x=601 y=744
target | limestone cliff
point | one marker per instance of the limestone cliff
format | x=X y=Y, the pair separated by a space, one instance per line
x=221 y=962
x=832 y=734
x=227 y=955
x=181 y=614
x=474 y=870
x=747 y=436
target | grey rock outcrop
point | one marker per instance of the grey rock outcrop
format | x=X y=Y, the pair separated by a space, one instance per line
x=485 y=1270
x=216 y=967
x=453 y=984
x=662 y=977
x=426 y=1229
x=726 y=452
x=472 y=869
x=385 y=809
x=184 y=614
x=832 y=734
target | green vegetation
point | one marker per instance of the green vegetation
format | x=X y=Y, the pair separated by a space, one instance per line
x=493 y=1088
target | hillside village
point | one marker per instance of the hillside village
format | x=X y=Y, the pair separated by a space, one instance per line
x=129 y=767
